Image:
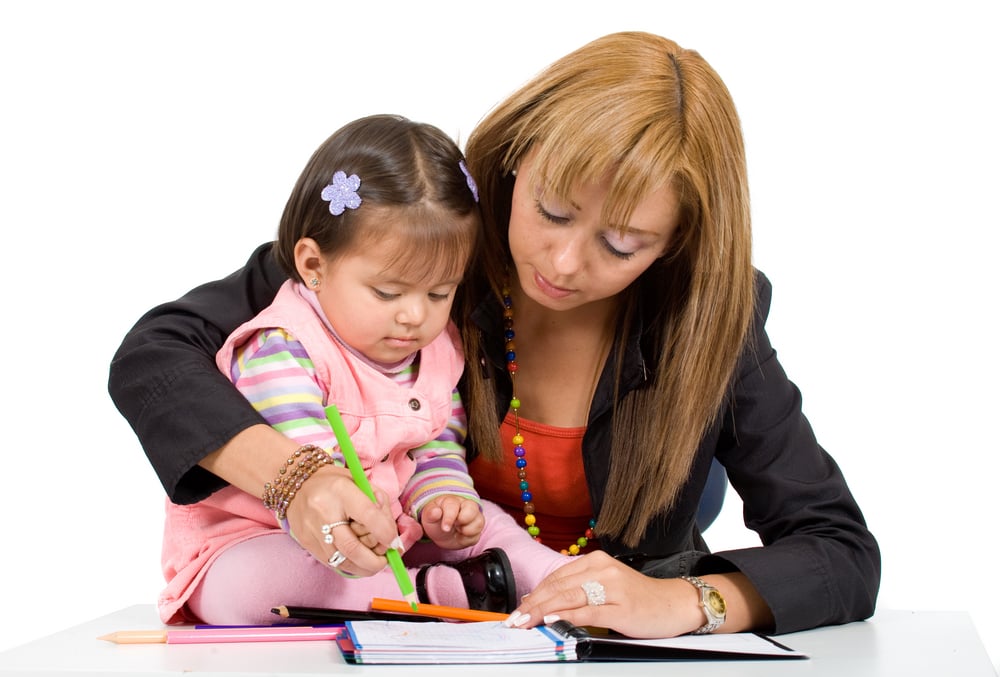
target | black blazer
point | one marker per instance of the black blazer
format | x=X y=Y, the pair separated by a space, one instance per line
x=819 y=564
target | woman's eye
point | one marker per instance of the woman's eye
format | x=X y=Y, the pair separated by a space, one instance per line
x=618 y=253
x=621 y=247
x=549 y=216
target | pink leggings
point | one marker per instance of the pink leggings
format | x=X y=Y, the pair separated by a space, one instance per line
x=248 y=579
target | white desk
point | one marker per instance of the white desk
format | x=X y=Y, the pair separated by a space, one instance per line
x=914 y=644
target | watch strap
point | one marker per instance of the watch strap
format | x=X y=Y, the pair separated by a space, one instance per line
x=713 y=618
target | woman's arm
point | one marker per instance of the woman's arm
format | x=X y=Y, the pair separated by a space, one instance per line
x=636 y=604
x=164 y=381
x=820 y=564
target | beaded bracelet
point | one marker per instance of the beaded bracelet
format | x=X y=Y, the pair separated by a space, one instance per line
x=304 y=463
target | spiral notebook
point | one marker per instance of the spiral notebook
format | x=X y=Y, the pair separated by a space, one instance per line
x=405 y=642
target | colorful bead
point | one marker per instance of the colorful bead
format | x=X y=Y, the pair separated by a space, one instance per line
x=521 y=462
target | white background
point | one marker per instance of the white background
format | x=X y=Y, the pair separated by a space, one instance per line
x=148 y=147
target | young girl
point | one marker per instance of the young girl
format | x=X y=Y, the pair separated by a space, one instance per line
x=375 y=239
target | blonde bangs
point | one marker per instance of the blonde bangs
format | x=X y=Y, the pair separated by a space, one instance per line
x=634 y=138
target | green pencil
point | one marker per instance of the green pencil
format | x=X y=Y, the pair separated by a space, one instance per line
x=361 y=480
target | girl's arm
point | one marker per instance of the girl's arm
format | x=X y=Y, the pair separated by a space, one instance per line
x=441 y=468
x=283 y=387
x=164 y=381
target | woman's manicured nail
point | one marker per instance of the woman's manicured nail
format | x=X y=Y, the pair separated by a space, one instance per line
x=551 y=618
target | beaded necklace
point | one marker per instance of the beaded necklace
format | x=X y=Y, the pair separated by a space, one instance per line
x=521 y=461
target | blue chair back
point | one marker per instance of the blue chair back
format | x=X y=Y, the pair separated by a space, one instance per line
x=712 y=497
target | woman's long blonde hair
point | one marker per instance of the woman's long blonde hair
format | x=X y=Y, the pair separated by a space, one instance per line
x=652 y=114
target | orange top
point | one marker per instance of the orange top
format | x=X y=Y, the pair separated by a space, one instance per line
x=555 y=478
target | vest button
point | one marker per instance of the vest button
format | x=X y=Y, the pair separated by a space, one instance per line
x=415 y=404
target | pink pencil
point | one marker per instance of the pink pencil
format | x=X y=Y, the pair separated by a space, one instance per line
x=223 y=635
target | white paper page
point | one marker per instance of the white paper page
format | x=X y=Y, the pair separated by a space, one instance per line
x=744 y=643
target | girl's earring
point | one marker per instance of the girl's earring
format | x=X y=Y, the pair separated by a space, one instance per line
x=314 y=282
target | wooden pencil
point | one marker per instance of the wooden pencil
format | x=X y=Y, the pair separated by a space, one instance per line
x=309 y=613
x=448 y=612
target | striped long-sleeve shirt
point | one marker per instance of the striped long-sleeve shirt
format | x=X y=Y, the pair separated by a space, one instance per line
x=274 y=372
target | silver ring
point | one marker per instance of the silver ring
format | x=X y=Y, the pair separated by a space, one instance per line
x=594 y=592
x=327 y=530
x=336 y=559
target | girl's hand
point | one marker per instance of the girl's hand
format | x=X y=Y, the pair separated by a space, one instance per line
x=367 y=530
x=452 y=522
x=634 y=604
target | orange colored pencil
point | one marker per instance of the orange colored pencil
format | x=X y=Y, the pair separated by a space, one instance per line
x=449 y=612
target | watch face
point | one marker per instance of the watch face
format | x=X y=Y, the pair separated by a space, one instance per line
x=716 y=603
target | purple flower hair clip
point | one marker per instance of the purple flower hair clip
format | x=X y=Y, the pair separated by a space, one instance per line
x=342 y=193
x=469 y=180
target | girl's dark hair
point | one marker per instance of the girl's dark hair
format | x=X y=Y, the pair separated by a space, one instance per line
x=412 y=188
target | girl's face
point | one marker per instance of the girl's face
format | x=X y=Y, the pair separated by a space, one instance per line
x=566 y=257
x=375 y=309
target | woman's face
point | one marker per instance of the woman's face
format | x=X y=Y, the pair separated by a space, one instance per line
x=566 y=257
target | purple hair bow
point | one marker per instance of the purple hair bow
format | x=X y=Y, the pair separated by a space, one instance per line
x=469 y=180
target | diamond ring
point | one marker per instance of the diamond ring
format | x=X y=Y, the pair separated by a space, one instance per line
x=594 y=592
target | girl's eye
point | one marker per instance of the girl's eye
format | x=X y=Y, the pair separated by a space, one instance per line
x=548 y=216
x=384 y=295
x=437 y=297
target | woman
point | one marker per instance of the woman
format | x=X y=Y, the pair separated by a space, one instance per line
x=617 y=263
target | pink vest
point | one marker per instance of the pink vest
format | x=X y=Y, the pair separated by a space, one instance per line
x=385 y=420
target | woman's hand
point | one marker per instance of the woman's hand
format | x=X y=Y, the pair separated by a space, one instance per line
x=634 y=604
x=329 y=496
x=365 y=529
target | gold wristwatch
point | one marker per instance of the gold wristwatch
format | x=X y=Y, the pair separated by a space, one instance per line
x=712 y=602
